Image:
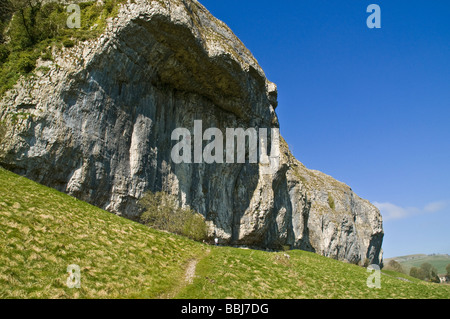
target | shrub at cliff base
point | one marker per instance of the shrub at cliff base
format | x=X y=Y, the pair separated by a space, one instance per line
x=162 y=212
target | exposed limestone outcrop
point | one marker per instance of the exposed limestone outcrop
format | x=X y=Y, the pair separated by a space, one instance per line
x=98 y=126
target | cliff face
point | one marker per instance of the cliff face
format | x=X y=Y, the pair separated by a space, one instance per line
x=98 y=126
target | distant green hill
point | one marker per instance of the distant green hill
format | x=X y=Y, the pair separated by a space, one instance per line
x=440 y=261
x=43 y=231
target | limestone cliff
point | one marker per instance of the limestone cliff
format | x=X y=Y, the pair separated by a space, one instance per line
x=98 y=126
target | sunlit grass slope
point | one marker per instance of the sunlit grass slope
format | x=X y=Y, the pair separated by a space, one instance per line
x=241 y=273
x=43 y=231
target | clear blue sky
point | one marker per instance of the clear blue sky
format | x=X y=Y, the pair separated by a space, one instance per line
x=370 y=107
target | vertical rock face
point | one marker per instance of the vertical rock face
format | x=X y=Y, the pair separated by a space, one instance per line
x=98 y=126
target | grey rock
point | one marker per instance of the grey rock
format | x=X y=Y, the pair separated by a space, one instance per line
x=98 y=126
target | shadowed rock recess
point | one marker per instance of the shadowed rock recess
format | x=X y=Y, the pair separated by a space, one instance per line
x=98 y=126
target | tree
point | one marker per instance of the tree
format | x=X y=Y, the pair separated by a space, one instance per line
x=29 y=21
x=26 y=11
x=418 y=273
x=5 y=16
x=162 y=211
x=394 y=265
x=430 y=272
x=448 y=269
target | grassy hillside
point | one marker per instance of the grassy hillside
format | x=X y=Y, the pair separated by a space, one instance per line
x=43 y=231
x=237 y=273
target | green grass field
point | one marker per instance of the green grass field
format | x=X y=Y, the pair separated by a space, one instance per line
x=43 y=231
